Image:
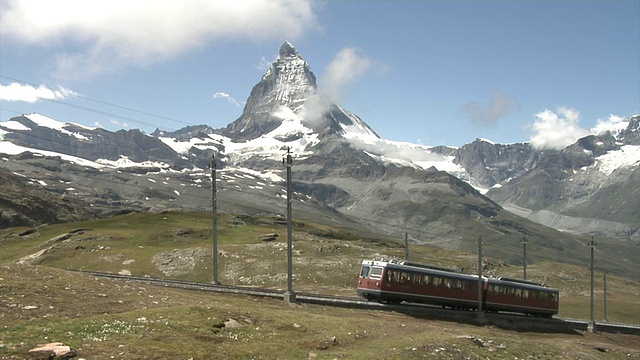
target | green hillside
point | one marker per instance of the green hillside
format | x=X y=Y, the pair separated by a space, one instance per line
x=104 y=319
x=178 y=245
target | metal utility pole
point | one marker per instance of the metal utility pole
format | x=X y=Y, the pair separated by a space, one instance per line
x=592 y=324
x=406 y=246
x=524 y=257
x=605 y=296
x=480 y=310
x=214 y=203
x=289 y=296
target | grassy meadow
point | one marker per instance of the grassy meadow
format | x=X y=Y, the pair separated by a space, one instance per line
x=103 y=319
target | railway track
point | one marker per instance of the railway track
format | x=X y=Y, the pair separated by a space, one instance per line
x=502 y=320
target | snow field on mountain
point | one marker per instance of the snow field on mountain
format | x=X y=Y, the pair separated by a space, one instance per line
x=627 y=156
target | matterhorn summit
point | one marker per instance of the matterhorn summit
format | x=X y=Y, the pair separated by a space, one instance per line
x=288 y=92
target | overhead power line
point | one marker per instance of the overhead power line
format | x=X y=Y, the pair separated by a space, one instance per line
x=101 y=112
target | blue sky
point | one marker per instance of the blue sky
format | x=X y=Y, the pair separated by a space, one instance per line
x=428 y=72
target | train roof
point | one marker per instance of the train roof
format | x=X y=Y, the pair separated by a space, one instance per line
x=425 y=266
x=385 y=262
x=404 y=264
x=522 y=283
x=443 y=271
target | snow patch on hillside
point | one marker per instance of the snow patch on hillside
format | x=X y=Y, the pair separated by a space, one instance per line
x=13 y=125
x=125 y=162
x=402 y=153
x=183 y=146
x=9 y=148
x=273 y=145
x=50 y=123
x=627 y=156
x=270 y=176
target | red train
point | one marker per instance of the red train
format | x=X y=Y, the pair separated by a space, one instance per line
x=396 y=281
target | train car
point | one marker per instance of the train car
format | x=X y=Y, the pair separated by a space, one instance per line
x=396 y=281
x=504 y=294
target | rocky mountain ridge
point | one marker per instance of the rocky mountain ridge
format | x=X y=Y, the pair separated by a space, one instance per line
x=578 y=190
x=288 y=90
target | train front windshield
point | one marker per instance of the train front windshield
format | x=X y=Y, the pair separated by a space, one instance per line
x=364 y=271
x=371 y=272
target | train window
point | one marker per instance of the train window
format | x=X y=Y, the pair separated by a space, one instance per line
x=416 y=279
x=376 y=272
x=425 y=279
x=437 y=281
x=447 y=283
x=394 y=275
x=364 y=272
x=525 y=293
x=405 y=277
x=458 y=284
x=518 y=292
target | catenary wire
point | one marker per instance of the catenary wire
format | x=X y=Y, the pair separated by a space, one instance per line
x=102 y=112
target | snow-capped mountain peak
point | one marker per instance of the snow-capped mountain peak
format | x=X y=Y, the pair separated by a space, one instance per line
x=288 y=90
x=48 y=122
x=289 y=79
x=30 y=121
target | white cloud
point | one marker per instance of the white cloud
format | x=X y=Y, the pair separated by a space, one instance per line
x=314 y=109
x=346 y=67
x=556 y=130
x=115 y=122
x=108 y=35
x=263 y=64
x=229 y=98
x=613 y=124
x=31 y=94
x=490 y=114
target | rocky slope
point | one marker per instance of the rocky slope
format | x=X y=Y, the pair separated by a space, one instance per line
x=23 y=202
x=588 y=187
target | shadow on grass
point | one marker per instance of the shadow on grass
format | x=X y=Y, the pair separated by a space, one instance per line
x=510 y=322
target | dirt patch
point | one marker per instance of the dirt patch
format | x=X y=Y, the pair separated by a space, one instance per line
x=178 y=261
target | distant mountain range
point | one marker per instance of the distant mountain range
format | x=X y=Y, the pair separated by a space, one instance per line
x=344 y=174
